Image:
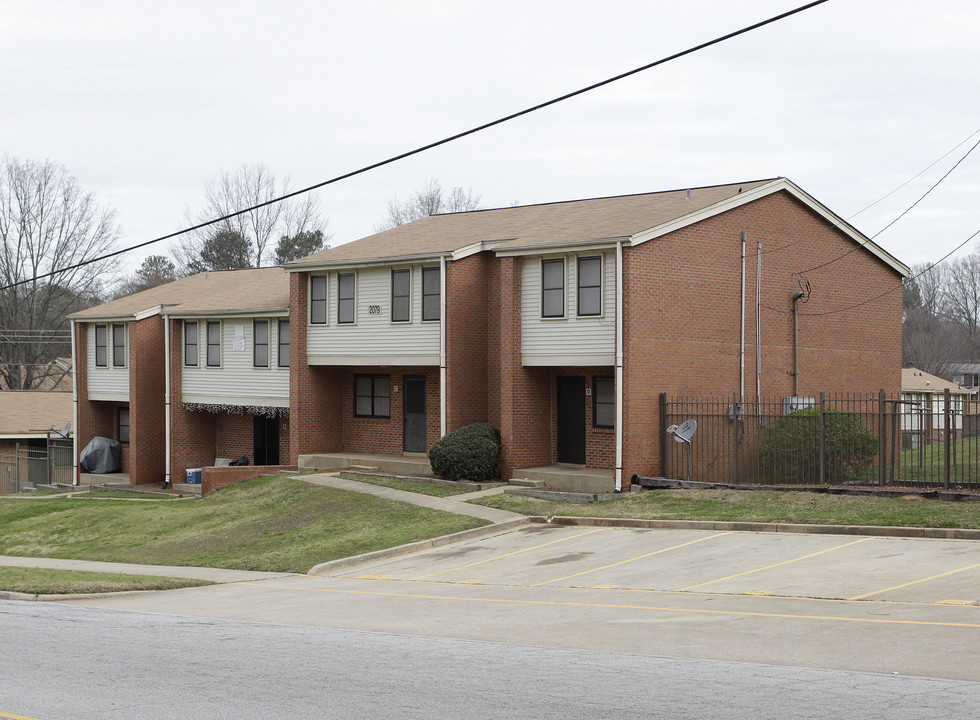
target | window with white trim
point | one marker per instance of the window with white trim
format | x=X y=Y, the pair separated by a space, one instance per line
x=214 y=343
x=345 y=298
x=118 y=345
x=589 y=286
x=553 y=288
x=372 y=396
x=431 y=281
x=401 y=295
x=260 y=343
x=318 y=299
x=191 y=341
x=283 y=343
x=101 y=346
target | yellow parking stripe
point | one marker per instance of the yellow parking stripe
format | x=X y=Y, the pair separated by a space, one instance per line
x=769 y=567
x=516 y=552
x=654 y=608
x=638 y=557
x=16 y=717
x=914 y=582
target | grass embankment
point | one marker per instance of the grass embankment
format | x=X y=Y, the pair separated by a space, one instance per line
x=757 y=506
x=416 y=486
x=40 y=581
x=276 y=524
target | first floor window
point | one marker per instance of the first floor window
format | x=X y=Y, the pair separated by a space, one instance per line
x=123 y=425
x=214 y=343
x=318 y=299
x=119 y=345
x=603 y=402
x=284 y=343
x=553 y=288
x=430 y=293
x=190 y=343
x=372 y=397
x=101 y=346
x=401 y=295
x=260 y=349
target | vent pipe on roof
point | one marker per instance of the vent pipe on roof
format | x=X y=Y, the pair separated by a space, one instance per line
x=688 y=194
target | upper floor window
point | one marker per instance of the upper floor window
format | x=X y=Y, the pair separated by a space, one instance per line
x=284 y=343
x=119 y=346
x=401 y=295
x=430 y=293
x=214 y=343
x=318 y=299
x=190 y=343
x=553 y=288
x=603 y=402
x=590 y=285
x=345 y=298
x=101 y=346
x=260 y=344
x=372 y=396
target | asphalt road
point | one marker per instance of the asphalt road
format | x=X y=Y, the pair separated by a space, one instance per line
x=71 y=663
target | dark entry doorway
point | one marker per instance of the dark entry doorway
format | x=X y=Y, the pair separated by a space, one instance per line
x=571 y=420
x=414 y=412
x=266 y=444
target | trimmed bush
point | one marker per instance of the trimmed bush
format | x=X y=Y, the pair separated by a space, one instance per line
x=790 y=447
x=471 y=452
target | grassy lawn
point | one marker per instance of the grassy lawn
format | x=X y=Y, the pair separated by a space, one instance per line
x=40 y=581
x=273 y=524
x=757 y=506
x=415 y=486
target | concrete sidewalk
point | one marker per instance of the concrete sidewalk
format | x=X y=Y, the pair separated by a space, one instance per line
x=218 y=575
x=454 y=503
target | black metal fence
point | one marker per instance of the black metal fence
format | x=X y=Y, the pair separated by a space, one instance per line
x=921 y=441
x=38 y=462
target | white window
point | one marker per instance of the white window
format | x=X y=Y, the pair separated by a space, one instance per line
x=553 y=288
x=119 y=346
x=284 y=343
x=190 y=344
x=345 y=298
x=590 y=286
x=214 y=343
x=430 y=293
x=318 y=299
x=260 y=343
x=401 y=295
x=101 y=346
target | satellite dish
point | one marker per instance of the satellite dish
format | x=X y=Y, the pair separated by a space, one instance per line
x=65 y=430
x=685 y=431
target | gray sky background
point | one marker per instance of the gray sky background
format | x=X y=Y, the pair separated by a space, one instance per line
x=850 y=100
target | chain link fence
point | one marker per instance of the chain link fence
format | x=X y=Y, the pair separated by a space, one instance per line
x=36 y=462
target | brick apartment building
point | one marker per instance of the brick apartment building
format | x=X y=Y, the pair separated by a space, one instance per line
x=561 y=324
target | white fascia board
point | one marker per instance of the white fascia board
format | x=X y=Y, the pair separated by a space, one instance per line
x=232 y=314
x=374 y=360
x=477 y=247
x=235 y=400
x=26 y=435
x=760 y=192
x=563 y=360
x=109 y=396
x=560 y=247
x=100 y=319
x=371 y=262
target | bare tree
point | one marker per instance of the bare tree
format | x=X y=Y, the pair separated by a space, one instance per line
x=155 y=270
x=430 y=199
x=47 y=224
x=251 y=185
x=961 y=294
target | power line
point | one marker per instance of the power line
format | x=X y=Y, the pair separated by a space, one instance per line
x=444 y=141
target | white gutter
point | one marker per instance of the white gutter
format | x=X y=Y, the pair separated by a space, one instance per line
x=741 y=340
x=619 y=366
x=442 y=346
x=166 y=396
x=74 y=407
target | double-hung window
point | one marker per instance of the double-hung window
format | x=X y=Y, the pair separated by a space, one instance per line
x=603 y=402
x=284 y=343
x=101 y=346
x=345 y=298
x=190 y=344
x=119 y=346
x=401 y=295
x=122 y=424
x=590 y=285
x=372 y=396
x=318 y=299
x=260 y=344
x=553 y=288
x=430 y=293
x=214 y=343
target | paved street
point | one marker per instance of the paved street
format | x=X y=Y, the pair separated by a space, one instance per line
x=72 y=663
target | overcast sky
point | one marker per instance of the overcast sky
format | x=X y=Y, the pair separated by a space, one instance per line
x=850 y=100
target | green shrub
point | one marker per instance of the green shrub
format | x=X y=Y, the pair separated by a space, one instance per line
x=469 y=453
x=790 y=447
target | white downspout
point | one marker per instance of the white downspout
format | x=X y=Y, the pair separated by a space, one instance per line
x=443 y=400
x=619 y=366
x=74 y=405
x=758 y=326
x=741 y=347
x=166 y=396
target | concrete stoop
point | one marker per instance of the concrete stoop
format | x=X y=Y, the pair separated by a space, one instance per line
x=568 y=478
x=409 y=465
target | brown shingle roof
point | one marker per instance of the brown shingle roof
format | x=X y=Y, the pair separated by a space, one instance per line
x=915 y=380
x=221 y=291
x=33 y=412
x=531 y=225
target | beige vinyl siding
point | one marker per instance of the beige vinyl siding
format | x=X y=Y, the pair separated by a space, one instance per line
x=373 y=338
x=570 y=340
x=236 y=381
x=105 y=383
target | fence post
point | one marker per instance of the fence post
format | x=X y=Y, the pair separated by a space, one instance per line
x=882 y=439
x=737 y=431
x=823 y=446
x=663 y=436
x=17 y=468
x=946 y=445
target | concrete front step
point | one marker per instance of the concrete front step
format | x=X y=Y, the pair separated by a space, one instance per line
x=411 y=465
x=570 y=478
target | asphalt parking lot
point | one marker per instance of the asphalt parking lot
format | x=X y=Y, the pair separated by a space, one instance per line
x=850 y=602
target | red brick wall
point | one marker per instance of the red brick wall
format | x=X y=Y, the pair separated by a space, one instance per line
x=215 y=478
x=386 y=435
x=682 y=335
x=147 y=433
x=466 y=340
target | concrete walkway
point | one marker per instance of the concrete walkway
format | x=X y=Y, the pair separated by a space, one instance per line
x=453 y=503
x=194 y=573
